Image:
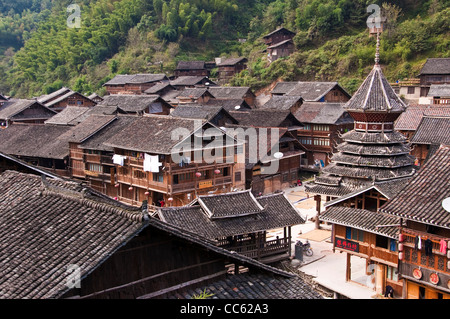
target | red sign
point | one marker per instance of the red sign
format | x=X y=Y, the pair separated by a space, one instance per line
x=434 y=278
x=417 y=273
x=346 y=244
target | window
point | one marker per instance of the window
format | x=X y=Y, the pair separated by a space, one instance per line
x=392 y=273
x=237 y=176
x=95 y=168
x=158 y=177
x=139 y=174
x=353 y=233
x=382 y=242
x=321 y=128
x=321 y=142
x=411 y=89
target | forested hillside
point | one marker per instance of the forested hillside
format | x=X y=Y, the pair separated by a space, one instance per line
x=39 y=53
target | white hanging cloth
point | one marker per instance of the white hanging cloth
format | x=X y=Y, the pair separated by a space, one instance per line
x=118 y=159
x=151 y=163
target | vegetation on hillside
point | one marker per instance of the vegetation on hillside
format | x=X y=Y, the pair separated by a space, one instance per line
x=39 y=53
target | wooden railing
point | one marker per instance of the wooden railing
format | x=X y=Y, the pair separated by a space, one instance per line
x=259 y=250
x=437 y=261
x=441 y=101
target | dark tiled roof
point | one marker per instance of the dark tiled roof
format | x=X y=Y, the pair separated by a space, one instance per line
x=96 y=142
x=312 y=91
x=231 y=61
x=155 y=89
x=441 y=90
x=362 y=219
x=373 y=161
x=393 y=137
x=191 y=65
x=68 y=116
x=283 y=87
x=265 y=118
x=62 y=91
x=282 y=29
x=433 y=130
x=229 y=204
x=122 y=79
x=13 y=108
x=421 y=200
x=193 y=93
x=194 y=111
x=254 y=286
x=374 y=149
x=190 y=80
x=436 y=66
x=375 y=94
x=159 y=128
x=230 y=104
x=278 y=212
x=278 y=44
x=229 y=92
x=410 y=119
x=46 y=229
x=130 y=103
x=45 y=141
x=322 y=113
x=282 y=102
x=89 y=127
x=369 y=172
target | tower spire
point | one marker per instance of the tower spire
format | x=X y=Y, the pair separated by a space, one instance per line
x=377 y=52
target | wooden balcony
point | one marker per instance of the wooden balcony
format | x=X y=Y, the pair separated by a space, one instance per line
x=263 y=250
x=437 y=261
x=202 y=183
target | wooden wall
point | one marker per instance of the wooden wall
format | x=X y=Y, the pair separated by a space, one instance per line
x=150 y=262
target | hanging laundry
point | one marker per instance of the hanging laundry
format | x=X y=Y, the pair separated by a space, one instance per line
x=418 y=243
x=151 y=163
x=443 y=246
x=118 y=159
x=428 y=247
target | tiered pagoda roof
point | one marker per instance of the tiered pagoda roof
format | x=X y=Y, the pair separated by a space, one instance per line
x=373 y=152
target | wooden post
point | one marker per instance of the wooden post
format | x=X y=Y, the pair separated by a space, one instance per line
x=289 y=241
x=348 y=269
x=317 y=198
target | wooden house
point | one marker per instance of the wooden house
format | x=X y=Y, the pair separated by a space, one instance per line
x=272 y=158
x=189 y=81
x=424 y=258
x=440 y=93
x=92 y=161
x=133 y=83
x=240 y=222
x=137 y=104
x=434 y=71
x=229 y=104
x=323 y=124
x=191 y=68
x=280 y=50
x=229 y=67
x=313 y=91
x=371 y=235
x=277 y=36
x=215 y=114
x=165 y=158
x=24 y=111
x=431 y=132
x=160 y=89
x=95 y=97
x=233 y=93
x=64 y=97
x=41 y=145
x=82 y=245
x=192 y=95
x=409 y=121
x=283 y=102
